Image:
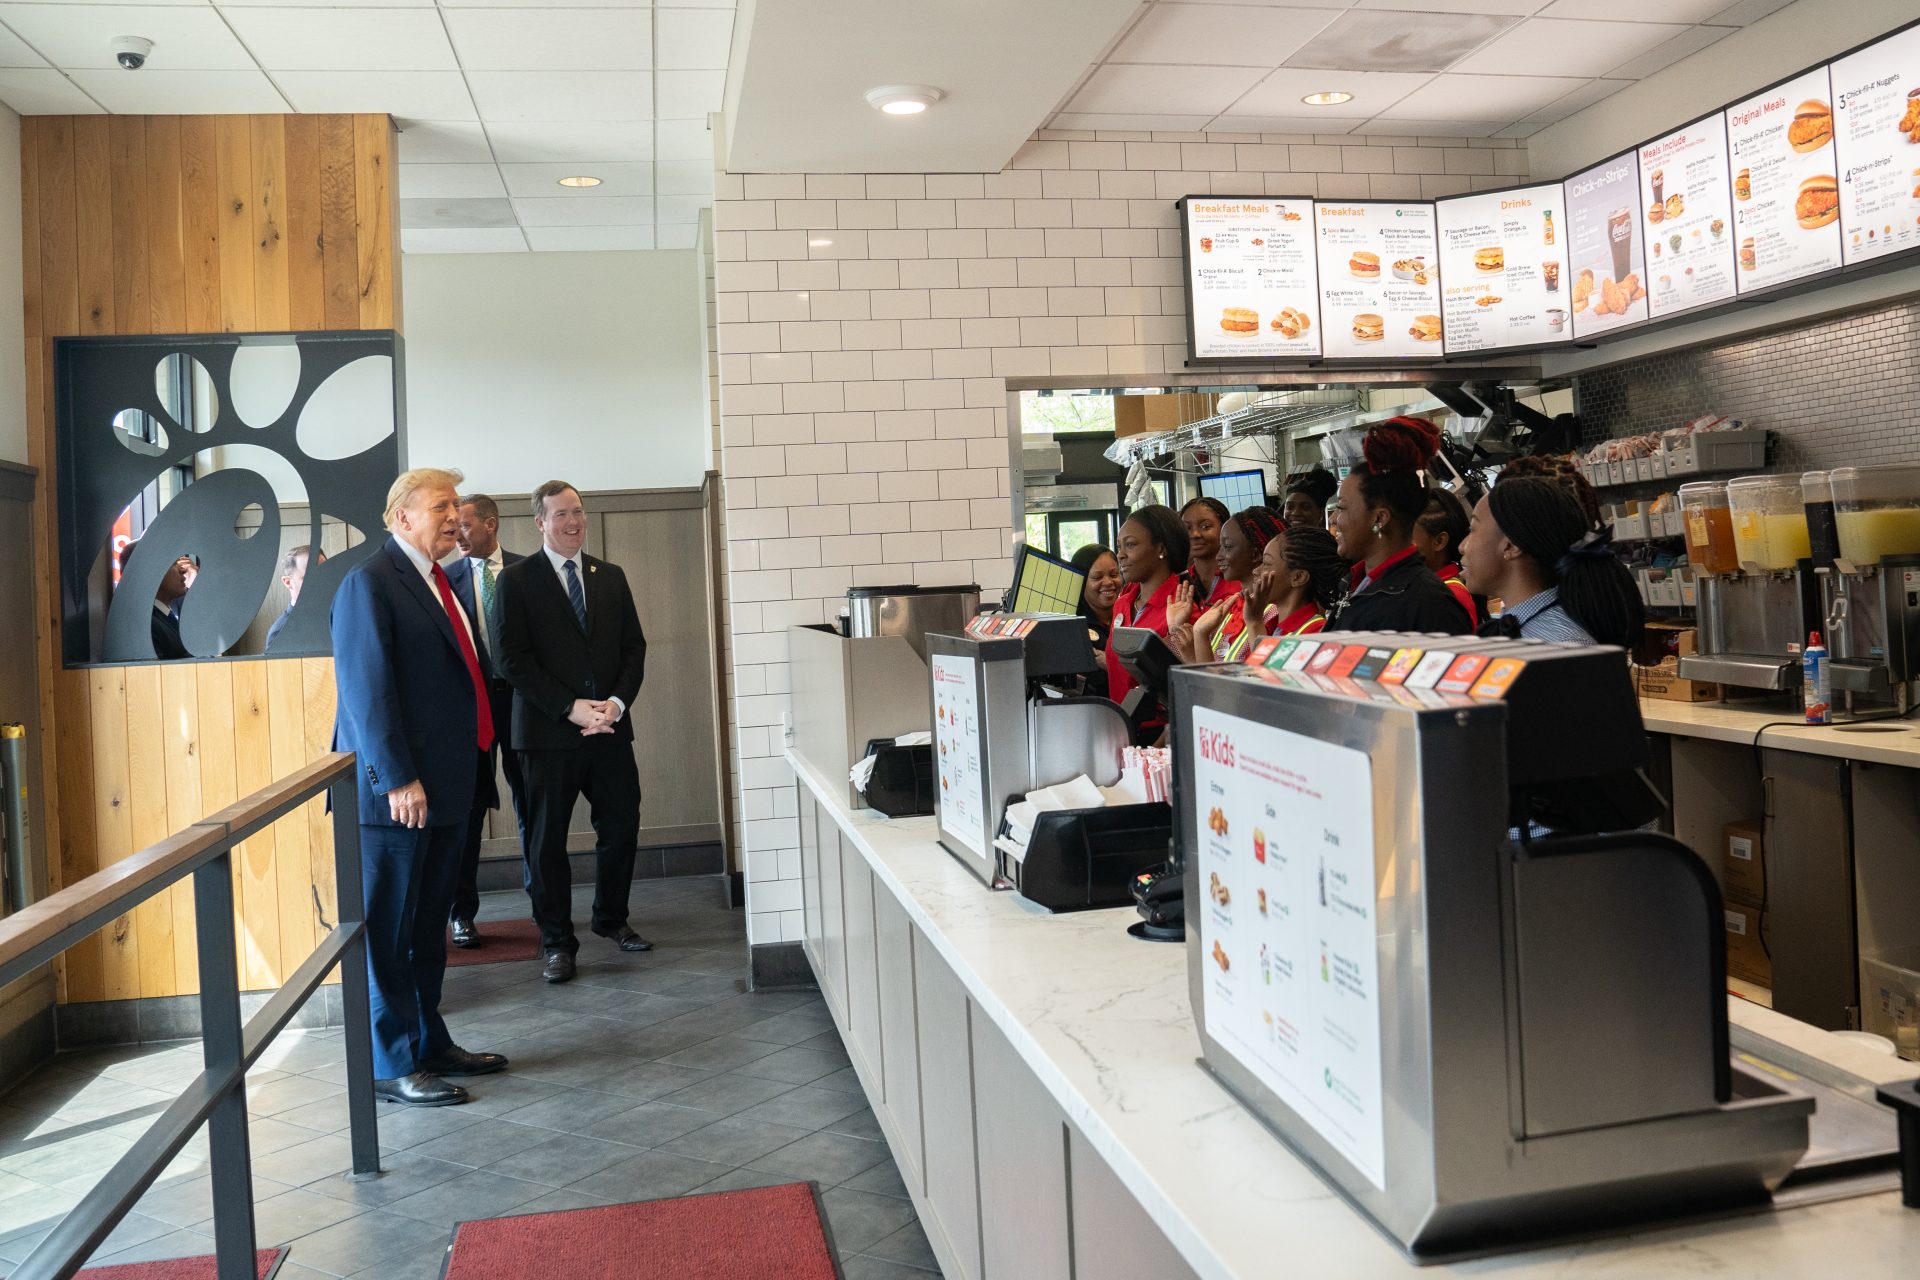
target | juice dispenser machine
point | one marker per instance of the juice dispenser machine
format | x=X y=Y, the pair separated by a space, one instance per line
x=1757 y=599
x=1872 y=592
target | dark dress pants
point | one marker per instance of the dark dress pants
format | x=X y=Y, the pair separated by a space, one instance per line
x=602 y=769
x=408 y=876
x=466 y=890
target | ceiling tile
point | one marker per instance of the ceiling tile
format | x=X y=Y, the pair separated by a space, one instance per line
x=419 y=95
x=1691 y=41
x=1743 y=12
x=76 y=36
x=1546 y=46
x=327 y=40
x=684 y=140
x=607 y=211
x=1129 y=123
x=1492 y=99
x=491 y=212
x=553 y=39
x=444 y=142
x=158 y=93
x=561 y=4
x=1234 y=123
x=544 y=180
x=1397 y=41
x=541 y=141
x=694 y=39
x=1220 y=34
x=449 y=181
x=332 y=4
x=555 y=95
x=1579 y=100
x=683 y=177
x=462 y=240
x=15 y=53
x=679 y=208
x=1373 y=92
x=44 y=92
x=1635 y=10
x=1519 y=131
x=1431 y=128
x=587 y=239
x=676 y=235
x=688 y=95
x=1513 y=8
x=1136 y=90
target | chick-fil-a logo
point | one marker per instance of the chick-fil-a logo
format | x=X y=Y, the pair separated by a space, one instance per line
x=1216 y=748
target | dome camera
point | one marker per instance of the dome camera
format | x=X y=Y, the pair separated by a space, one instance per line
x=130 y=51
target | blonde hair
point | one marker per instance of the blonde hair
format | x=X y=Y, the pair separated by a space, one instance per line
x=413 y=481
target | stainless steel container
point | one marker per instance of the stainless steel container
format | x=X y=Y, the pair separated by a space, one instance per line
x=910 y=612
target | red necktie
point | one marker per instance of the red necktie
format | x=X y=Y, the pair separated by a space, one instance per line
x=480 y=699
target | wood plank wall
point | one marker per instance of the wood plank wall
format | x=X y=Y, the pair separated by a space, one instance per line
x=191 y=224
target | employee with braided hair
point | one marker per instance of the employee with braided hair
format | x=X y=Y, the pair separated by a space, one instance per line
x=1556 y=574
x=1438 y=534
x=1299 y=589
x=1373 y=520
x=1221 y=630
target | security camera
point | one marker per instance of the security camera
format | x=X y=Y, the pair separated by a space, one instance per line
x=130 y=51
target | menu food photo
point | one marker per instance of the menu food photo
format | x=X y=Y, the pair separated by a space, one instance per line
x=1876 y=99
x=1786 y=206
x=956 y=736
x=1503 y=262
x=1251 y=280
x=1379 y=279
x=1604 y=250
x=1686 y=214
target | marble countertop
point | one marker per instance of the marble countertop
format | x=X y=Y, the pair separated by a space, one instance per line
x=1104 y=1022
x=1894 y=742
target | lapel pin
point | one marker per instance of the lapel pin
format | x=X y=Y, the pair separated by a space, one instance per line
x=593 y=568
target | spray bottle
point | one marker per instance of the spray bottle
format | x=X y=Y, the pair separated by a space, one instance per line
x=1814 y=681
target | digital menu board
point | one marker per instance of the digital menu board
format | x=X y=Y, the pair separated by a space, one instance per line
x=1252 y=289
x=1606 y=254
x=1686 y=210
x=1786 y=198
x=1379 y=279
x=1876 y=100
x=1503 y=257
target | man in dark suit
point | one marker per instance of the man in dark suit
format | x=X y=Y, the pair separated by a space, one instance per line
x=572 y=648
x=476 y=580
x=164 y=628
x=293 y=575
x=413 y=707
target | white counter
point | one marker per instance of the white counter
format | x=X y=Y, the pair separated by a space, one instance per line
x=1103 y=1022
x=1894 y=742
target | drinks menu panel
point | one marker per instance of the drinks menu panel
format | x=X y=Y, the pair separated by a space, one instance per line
x=1786 y=197
x=1503 y=257
x=1605 y=249
x=1876 y=99
x=1251 y=279
x=1686 y=210
x=1379 y=279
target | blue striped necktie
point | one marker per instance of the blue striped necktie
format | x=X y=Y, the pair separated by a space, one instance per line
x=575 y=596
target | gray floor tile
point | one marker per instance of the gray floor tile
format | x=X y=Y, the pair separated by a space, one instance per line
x=722 y=1053
x=495 y=1095
x=404 y=1127
x=402 y=1174
x=733 y=1141
x=745 y=1180
x=826 y=1158
x=568 y=1067
x=645 y=1081
x=652 y=1123
x=479 y=1145
x=806 y=1108
x=418 y=1264
x=476 y=1193
x=858 y=1123
x=289 y=1092
x=651 y=1175
x=908 y=1246
x=561 y=1201
x=563 y=1159
x=866 y=1267
x=860 y=1221
x=359 y=1243
x=306 y=1162
x=845 y=1080
x=795 y=1065
x=728 y=1093
x=293 y=1213
x=882 y=1180
x=571 y=1110
x=178 y=1243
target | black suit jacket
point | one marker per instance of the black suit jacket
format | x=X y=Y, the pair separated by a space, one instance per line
x=466 y=587
x=550 y=662
x=166 y=637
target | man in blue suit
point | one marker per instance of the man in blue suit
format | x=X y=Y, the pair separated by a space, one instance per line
x=413 y=706
x=475 y=578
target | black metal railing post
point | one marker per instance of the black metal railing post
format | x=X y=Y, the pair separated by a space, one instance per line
x=223 y=1045
x=357 y=1020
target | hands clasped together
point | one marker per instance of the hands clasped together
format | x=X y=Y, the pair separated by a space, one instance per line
x=594 y=717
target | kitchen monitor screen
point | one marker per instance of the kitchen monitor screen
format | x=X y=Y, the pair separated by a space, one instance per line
x=1238 y=489
x=1044 y=584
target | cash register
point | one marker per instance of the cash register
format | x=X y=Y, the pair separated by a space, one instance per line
x=1429 y=948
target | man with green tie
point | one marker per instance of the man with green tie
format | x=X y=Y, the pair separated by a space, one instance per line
x=475 y=579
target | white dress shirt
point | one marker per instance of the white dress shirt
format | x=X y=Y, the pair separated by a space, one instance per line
x=478 y=565
x=579 y=563
x=426 y=568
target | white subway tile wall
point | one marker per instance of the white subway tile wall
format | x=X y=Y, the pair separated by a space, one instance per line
x=867 y=326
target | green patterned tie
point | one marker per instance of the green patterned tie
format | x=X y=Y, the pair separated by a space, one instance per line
x=486 y=587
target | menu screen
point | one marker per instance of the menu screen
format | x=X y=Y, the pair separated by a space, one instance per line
x=956 y=737
x=1786 y=200
x=1250 y=278
x=1605 y=249
x=1876 y=99
x=1503 y=256
x=1379 y=280
x=1686 y=211
x=1285 y=850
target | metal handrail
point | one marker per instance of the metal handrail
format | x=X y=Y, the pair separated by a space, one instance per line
x=217 y=1097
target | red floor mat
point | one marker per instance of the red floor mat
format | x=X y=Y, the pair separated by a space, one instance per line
x=266 y=1262
x=500 y=941
x=729 y=1235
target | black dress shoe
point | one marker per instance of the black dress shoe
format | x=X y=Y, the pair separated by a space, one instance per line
x=559 y=967
x=465 y=933
x=458 y=1062
x=419 y=1090
x=626 y=939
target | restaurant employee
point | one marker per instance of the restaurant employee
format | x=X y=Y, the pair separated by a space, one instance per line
x=1203 y=519
x=1220 y=630
x=1152 y=552
x=1096 y=604
x=1373 y=517
x=1437 y=534
x=1557 y=575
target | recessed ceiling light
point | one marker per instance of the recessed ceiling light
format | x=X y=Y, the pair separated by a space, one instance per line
x=1328 y=98
x=903 y=99
x=580 y=180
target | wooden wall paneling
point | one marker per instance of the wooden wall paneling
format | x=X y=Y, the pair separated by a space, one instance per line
x=253 y=769
x=82 y=965
x=149 y=822
x=93 y=222
x=59 y=255
x=220 y=787
x=316 y=676
x=287 y=731
x=339 y=234
x=113 y=826
x=127 y=176
x=305 y=240
x=200 y=222
x=233 y=157
x=374 y=202
x=272 y=311
x=180 y=750
x=166 y=246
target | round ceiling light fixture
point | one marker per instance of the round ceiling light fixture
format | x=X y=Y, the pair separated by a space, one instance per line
x=903 y=99
x=580 y=180
x=1327 y=98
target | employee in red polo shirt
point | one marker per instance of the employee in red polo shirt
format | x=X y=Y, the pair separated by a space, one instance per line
x=1437 y=535
x=1373 y=520
x=1152 y=551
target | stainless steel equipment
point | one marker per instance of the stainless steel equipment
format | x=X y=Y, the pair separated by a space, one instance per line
x=910 y=612
x=847 y=692
x=1478 y=1037
x=1747 y=622
x=1873 y=631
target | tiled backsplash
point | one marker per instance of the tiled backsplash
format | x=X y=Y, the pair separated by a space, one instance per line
x=867 y=326
x=1835 y=393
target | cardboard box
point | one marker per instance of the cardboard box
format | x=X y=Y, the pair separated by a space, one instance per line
x=1136 y=415
x=1748 y=934
x=1656 y=666
x=1743 y=862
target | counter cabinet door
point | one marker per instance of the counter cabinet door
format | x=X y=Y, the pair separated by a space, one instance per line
x=1021 y=1131
x=811 y=821
x=899 y=1036
x=946 y=1077
x=863 y=965
x=1113 y=1238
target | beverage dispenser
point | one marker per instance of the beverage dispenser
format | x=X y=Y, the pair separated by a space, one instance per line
x=1758 y=598
x=1872 y=596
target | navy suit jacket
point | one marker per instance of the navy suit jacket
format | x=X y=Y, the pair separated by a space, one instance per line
x=405 y=703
